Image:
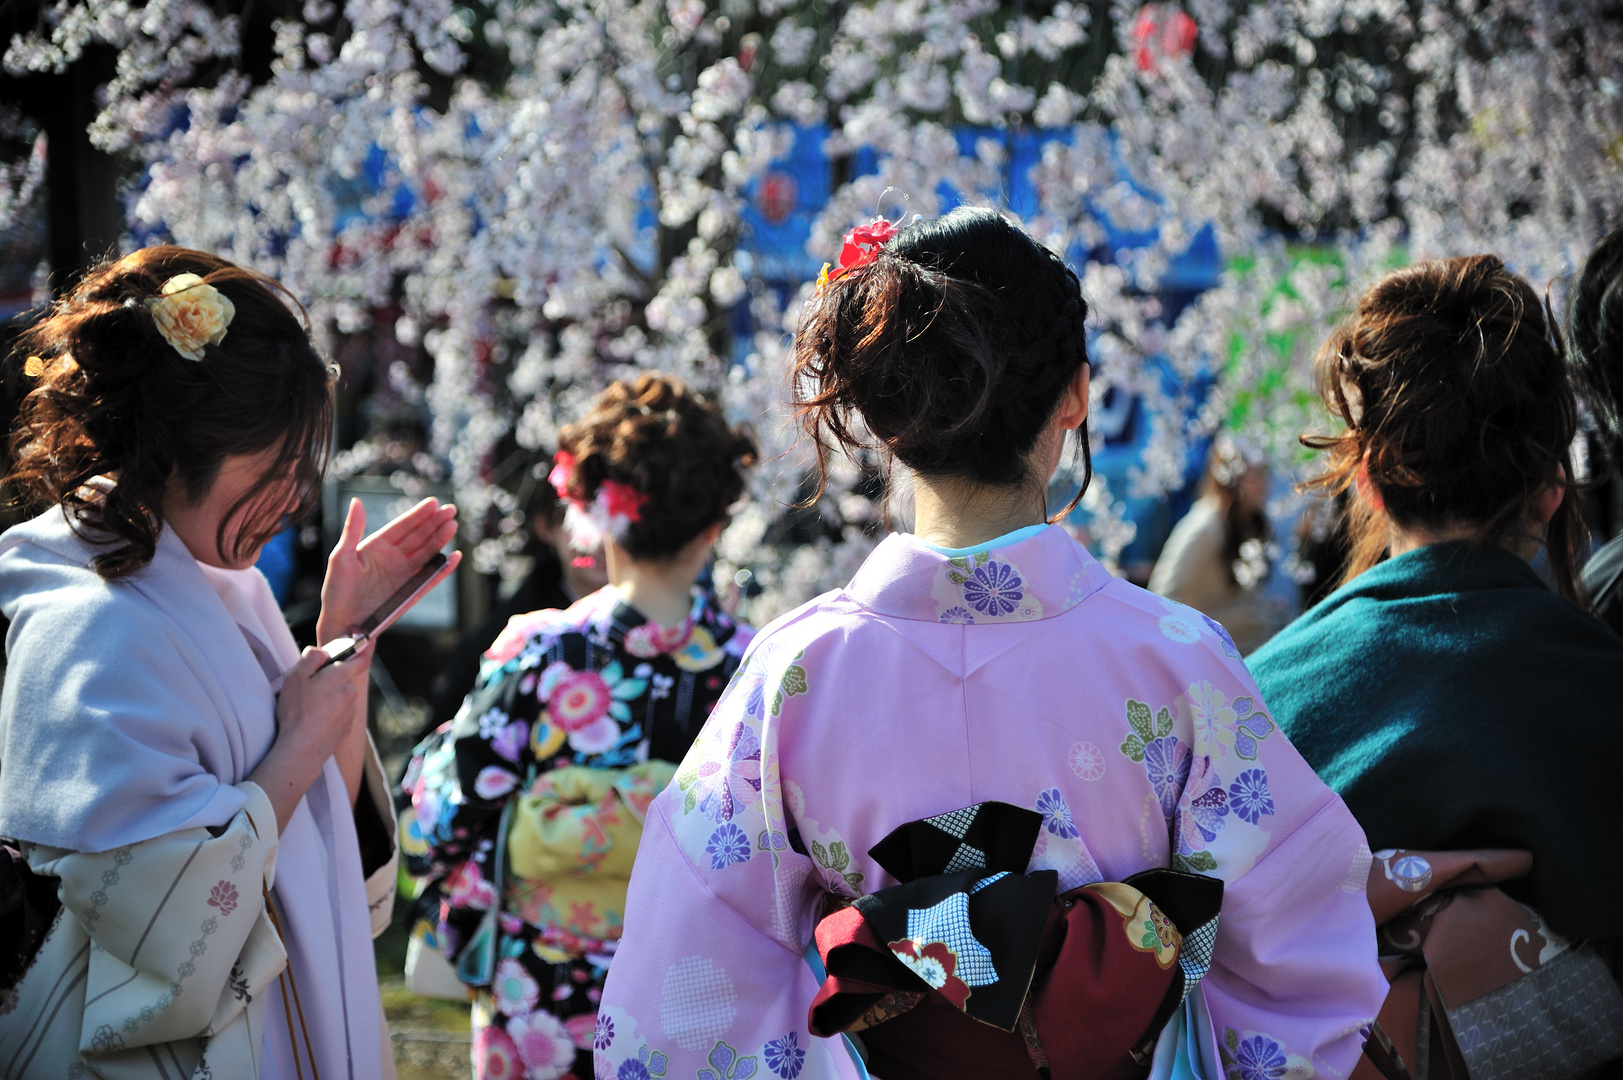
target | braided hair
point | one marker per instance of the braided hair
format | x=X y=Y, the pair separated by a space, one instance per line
x=950 y=351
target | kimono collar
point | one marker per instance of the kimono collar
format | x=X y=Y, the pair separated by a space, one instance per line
x=1038 y=577
x=1455 y=566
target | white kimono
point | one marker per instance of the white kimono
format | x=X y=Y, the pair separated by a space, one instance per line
x=132 y=713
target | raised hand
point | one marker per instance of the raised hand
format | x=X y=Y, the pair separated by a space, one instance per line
x=361 y=574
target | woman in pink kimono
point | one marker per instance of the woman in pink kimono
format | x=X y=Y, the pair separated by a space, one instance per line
x=987 y=810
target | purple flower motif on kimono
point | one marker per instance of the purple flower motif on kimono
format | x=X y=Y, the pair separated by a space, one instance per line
x=1207 y=811
x=1260 y=1058
x=1249 y=797
x=785 y=1056
x=647 y=1065
x=727 y=786
x=603 y=1036
x=1250 y=728
x=727 y=1065
x=509 y=741
x=728 y=845
x=1222 y=636
x=959 y=616
x=994 y=589
x=1056 y=815
x=1166 y=761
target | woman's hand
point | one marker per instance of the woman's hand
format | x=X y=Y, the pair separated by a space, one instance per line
x=316 y=714
x=361 y=574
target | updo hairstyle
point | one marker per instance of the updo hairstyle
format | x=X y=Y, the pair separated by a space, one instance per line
x=1595 y=321
x=673 y=447
x=1455 y=393
x=950 y=351
x=110 y=396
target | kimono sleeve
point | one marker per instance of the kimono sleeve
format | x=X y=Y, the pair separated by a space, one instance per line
x=1294 y=974
x=710 y=979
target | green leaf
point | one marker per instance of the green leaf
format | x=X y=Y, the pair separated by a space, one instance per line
x=855 y=881
x=1149 y=941
x=820 y=853
x=777 y=703
x=1200 y=861
x=1133 y=748
x=1231 y=1039
x=1138 y=715
x=794 y=680
x=1163 y=721
x=689 y=802
x=956 y=578
x=981 y=558
x=961 y=563
x=839 y=858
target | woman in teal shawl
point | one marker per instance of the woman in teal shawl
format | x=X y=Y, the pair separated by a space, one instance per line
x=1446 y=693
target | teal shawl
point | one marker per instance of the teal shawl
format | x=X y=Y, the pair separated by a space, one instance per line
x=1454 y=701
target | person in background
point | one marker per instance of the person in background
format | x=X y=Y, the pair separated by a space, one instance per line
x=1452 y=698
x=205 y=799
x=985 y=669
x=530 y=802
x=560 y=575
x=1216 y=558
x=1595 y=340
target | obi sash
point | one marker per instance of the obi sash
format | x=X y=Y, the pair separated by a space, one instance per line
x=971 y=967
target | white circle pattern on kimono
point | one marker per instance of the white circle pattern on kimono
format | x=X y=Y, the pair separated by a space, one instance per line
x=1179 y=628
x=697 y=1003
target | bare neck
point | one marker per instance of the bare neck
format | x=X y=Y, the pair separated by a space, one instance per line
x=661 y=590
x=953 y=513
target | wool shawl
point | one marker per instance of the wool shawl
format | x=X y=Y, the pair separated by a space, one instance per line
x=133 y=708
x=1454 y=701
x=1022 y=674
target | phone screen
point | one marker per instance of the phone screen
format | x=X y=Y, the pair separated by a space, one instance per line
x=402 y=597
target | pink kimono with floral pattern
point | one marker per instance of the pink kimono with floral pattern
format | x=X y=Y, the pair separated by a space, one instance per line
x=1024 y=674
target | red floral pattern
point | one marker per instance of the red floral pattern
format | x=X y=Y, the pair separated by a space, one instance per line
x=224 y=897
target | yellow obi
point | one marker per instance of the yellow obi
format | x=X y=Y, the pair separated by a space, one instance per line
x=571 y=842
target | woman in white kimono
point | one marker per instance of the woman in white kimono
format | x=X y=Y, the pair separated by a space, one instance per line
x=986 y=811
x=207 y=799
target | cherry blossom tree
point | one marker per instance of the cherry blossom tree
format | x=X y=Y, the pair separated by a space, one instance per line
x=554 y=192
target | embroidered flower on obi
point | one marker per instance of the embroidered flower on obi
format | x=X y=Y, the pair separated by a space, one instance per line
x=1056 y=815
x=494 y=1055
x=785 y=1056
x=994 y=589
x=544 y=1045
x=699 y=653
x=727 y=786
x=728 y=845
x=224 y=897
x=936 y=964
x=959 y=616
x=1249 y=797
x=514 y=990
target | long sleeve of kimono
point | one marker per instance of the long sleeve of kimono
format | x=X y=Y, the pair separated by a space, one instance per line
x=163 y=954
x=710 y=978
x=1288 y=990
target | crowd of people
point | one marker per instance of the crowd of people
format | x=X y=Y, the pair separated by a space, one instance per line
x=985 y=811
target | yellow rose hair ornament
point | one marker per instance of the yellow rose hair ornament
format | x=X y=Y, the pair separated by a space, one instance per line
x=191 y=314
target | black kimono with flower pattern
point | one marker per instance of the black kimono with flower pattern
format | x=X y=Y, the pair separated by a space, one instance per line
x=596 y=685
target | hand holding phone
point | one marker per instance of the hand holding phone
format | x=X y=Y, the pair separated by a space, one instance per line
x=430 y=574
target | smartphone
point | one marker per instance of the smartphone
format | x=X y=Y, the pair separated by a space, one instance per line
x=430 y=574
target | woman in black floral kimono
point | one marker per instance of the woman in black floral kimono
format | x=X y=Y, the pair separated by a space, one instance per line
x=529 y=804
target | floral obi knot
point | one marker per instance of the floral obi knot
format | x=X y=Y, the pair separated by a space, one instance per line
x=968 y=935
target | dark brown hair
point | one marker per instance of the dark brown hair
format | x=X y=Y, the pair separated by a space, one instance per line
x=1455 y=393
x=110 y=396
x=953 y=348
x=673 y=446
x=1595 y=319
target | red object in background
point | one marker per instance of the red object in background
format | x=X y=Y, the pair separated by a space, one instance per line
x=776 y=195
x=1161 y=33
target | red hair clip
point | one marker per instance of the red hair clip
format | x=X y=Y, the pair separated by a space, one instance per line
x=862 y=246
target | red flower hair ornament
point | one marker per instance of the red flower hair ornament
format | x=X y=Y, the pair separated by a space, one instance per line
x=612 y=511
x=861 y=247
